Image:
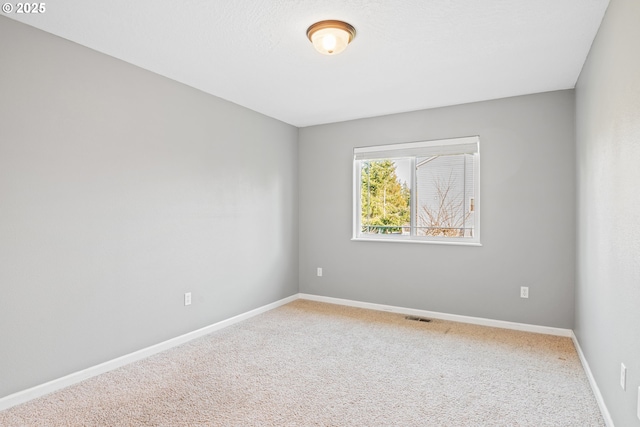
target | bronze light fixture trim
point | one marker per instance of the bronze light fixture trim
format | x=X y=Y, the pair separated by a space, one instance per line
x=331 y=37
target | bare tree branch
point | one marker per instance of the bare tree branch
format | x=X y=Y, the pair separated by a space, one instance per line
x=448 y=218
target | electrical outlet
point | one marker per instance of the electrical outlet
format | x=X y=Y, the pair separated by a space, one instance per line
x=524 y=292
x=187 y=298
x=319 y=271
x=623 y=376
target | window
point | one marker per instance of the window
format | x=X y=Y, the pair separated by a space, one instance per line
x=425 y=191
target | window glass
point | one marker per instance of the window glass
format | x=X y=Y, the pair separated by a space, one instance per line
x=424 y=191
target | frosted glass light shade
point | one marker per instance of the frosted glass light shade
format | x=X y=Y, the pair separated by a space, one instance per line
x=331 y=37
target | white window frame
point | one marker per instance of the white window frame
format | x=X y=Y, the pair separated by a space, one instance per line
x=464 y=145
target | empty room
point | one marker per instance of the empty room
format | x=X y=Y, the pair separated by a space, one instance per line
x=296 y=213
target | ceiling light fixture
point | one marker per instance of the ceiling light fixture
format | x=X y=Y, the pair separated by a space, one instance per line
x=331 y=37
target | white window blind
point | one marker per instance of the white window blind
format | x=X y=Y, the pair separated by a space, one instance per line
x=466 y=145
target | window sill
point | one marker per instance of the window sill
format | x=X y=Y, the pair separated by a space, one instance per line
x=423 y=242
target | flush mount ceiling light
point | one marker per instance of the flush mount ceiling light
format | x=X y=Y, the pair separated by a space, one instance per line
x=331 y=37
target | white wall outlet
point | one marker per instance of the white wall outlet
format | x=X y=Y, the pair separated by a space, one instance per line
x=524 y=292
x=319 y=271
x=187 y=298
x=623 y=376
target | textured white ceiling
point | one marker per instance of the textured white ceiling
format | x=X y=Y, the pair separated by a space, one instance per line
x=407 y=55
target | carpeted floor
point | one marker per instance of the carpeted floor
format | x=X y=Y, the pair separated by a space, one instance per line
x=316 y=364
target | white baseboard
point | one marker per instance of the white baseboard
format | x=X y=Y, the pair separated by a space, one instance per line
x=444 y=316
x=76 y=377
x=592 y=381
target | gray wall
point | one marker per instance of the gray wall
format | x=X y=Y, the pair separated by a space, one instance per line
x=527 y=215
x=119 y=191
x=608 y=252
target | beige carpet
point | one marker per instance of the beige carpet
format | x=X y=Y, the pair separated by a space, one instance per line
x=315 y=364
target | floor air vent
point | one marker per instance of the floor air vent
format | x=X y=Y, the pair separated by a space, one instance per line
x=418 y=319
